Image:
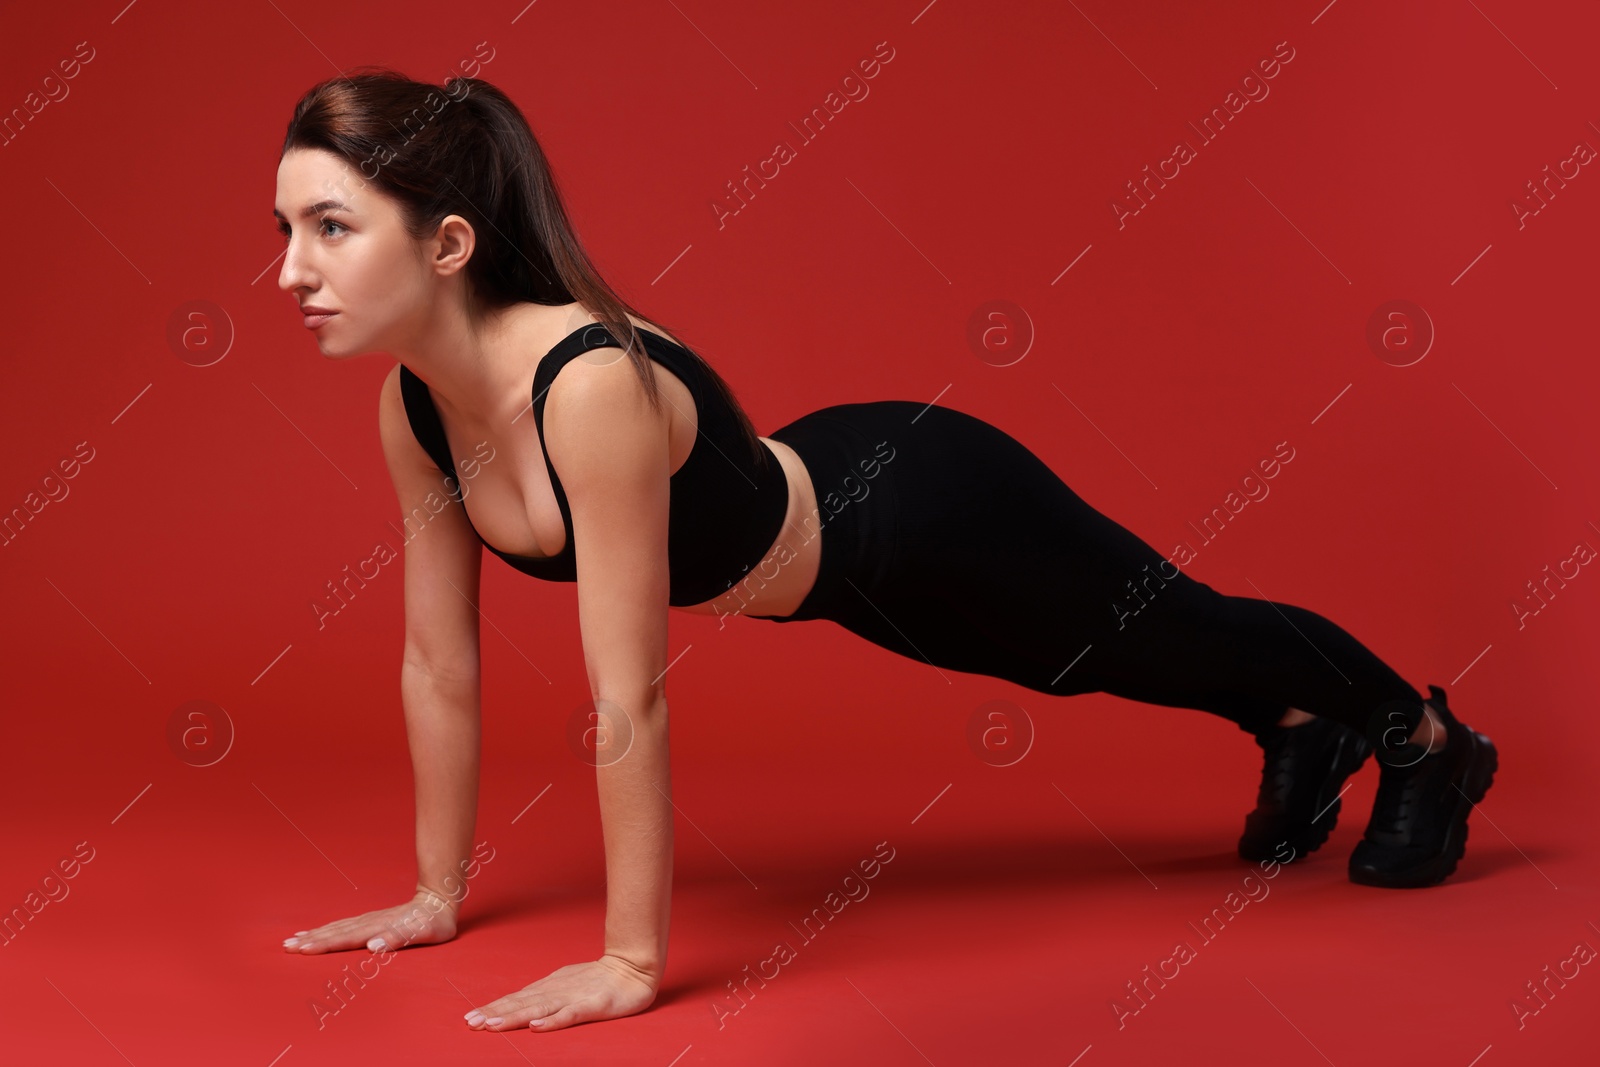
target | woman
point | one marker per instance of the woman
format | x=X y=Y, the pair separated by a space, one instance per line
x=923 y=529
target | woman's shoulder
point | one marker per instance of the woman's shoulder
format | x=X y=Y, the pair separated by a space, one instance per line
x=546 y=326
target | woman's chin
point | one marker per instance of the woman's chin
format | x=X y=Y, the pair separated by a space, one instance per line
x=334 y=349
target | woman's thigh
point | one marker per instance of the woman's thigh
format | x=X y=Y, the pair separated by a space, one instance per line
x=964 y=549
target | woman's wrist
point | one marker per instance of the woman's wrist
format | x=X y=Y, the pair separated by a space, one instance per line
x=434 y=900
x=646 y=969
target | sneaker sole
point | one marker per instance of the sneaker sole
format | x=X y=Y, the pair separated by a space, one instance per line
x=1351 y=753
x=1481 y=767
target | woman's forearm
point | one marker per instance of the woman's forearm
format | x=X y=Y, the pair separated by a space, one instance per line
x=636 y=817
x=442 y=728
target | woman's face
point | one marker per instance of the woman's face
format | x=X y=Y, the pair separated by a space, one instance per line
x=349 y=254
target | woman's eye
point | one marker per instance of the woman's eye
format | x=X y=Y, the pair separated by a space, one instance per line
x=325 y=222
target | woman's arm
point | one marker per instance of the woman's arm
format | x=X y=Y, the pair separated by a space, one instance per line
x=440 y=669
x=439 y=693
x=612 y=454
x=611 y=451
x=636 y=816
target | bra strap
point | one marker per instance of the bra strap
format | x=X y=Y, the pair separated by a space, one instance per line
x=426 y=427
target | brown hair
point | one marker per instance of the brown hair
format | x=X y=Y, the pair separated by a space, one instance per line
x=467 y=150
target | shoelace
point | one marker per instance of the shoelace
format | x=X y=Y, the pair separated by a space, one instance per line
x=1277 y=771
x=1400 y=791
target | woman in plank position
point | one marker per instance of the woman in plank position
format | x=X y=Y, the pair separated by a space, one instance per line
x=922 y=529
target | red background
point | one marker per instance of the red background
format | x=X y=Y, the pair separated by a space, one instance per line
x=1173 y=355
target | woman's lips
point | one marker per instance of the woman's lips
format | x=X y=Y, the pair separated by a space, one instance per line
x=317 y=319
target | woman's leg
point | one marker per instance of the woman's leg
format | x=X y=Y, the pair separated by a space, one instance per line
x=1191 y=638
x=966 y=551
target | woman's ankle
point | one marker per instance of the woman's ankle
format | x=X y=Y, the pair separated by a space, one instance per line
x=1431 y=731
x=1294 y=717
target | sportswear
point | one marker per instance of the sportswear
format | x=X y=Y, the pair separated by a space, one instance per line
x=726 y=508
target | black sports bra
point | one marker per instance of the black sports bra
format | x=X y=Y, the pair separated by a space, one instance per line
x=725 y=511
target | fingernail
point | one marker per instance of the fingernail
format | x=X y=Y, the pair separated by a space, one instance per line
x=301 y=933
x=377 y=944
x=474 y=1016
x=496 y=1021
x=290 y=942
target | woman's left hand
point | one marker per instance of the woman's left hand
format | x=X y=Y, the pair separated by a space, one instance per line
x=607 y=988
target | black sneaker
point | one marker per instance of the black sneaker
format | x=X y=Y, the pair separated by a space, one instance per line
x=1303 y=772
x=1418 y=829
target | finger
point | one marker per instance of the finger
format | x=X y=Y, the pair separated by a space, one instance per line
x=513 y=1012
x=299 y=941
x=319 y=935
x=329 y=938
x=567 y=1016
x=392 y=939
x=397 y=934
x=335 y=937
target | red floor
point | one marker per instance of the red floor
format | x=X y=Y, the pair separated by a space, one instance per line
x=1016 y=909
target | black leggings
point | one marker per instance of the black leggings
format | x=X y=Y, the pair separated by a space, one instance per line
x=946 y=540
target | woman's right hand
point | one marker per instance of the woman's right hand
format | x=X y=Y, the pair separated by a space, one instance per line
x=427 y=919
